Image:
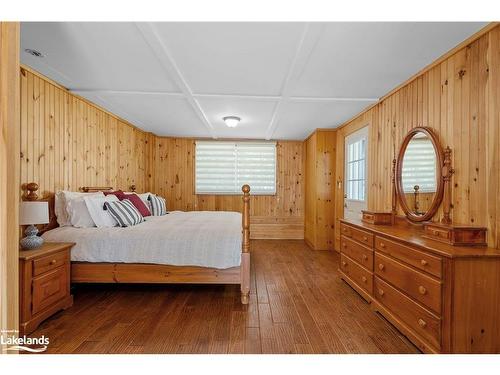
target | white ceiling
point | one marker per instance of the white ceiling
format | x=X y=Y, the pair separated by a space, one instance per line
x=283 y=79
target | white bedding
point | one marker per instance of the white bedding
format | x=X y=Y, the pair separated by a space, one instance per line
x=197 y=238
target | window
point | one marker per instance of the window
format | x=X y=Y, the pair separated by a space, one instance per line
x=419 y=166
x=356 y=168
x=224 y=167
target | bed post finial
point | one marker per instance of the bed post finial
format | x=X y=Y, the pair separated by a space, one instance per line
x=246 y=218
x=245 y=248
x=31 y=188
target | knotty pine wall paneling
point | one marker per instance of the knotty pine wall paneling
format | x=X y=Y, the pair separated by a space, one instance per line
x=67 y=142
x=277 y=216
x=459 y=98
x=9 y=175
x=319 y=220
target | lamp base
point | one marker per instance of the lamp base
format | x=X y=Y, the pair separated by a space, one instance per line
x=31 y=241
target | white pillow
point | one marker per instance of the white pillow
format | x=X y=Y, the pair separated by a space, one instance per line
x=101 y=217
x=79 y=215
x=61 y=200
x=60 y=209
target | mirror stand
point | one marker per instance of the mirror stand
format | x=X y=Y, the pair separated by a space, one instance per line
x=447 y=173
x=394 y=211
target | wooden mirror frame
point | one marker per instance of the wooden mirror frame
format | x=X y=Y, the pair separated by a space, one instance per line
x=439 y=175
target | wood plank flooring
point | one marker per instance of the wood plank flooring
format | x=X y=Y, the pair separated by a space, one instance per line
x=298 y=304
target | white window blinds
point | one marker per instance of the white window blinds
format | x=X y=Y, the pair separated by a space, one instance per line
x=419 y=166
x=223 y=167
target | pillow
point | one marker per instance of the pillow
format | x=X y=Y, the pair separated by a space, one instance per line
x=124 y=212
x=101 y=217
x=60 y=211
x=79 y=215
x=118 y=193
x=62 y=198
x=157 y=205
x=138 y=203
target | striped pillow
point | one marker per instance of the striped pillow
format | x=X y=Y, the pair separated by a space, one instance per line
x=157 y=205
x=124 y=212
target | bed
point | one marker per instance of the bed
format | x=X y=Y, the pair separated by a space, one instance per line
x=197 y=247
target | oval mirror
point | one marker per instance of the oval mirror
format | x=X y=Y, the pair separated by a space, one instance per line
x=419 y=182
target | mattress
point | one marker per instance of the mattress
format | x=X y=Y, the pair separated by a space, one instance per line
x=196 y=238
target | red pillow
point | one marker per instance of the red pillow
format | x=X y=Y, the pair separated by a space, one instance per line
x=119 y=194
x=137 y=202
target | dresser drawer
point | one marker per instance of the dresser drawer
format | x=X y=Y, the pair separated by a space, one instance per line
x=361 y=254
x=417 y=285
x=345 y=230
x=418 y=319
x=439 y=233
x=366 y=238
x=50 y=262
x=362 y=277
x=418 y=259
x=49 y=288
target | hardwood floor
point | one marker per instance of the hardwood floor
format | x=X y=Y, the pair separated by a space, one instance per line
x=298 y=304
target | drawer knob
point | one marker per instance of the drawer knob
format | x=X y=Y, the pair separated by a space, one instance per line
x=365 y=257
x=53 y=261
x=365 y=238
x=344 y=263
x=422 y=323
x=423 y=262
x=344 y=229
x=381 y=292
x=422 y=290
x=344 y=245
x=381 y=266
x=364 y=279
x=382 y=245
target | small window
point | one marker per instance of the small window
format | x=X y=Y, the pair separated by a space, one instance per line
x=224 y=167
x=356 y=169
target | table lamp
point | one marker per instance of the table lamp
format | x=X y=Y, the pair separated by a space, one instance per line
x=32 y=213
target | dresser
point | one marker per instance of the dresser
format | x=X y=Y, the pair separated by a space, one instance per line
x=444 y=298
x=44 y=284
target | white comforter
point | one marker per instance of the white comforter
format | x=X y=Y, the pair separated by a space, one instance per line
x=198 y=238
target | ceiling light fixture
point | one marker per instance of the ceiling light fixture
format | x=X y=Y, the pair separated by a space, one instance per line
x=231 y=121
x=33 y=52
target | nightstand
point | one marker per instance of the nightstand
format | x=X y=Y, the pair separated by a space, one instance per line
x=44 y=278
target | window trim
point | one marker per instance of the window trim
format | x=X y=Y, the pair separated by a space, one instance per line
x=238 y=192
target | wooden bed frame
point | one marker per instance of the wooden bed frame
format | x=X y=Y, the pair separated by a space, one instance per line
x=86 y=272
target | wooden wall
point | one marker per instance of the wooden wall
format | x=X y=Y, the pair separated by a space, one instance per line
x=459 y=98
x=67 y=142
x=279 y=216
x=319 y=223
x=9 y=175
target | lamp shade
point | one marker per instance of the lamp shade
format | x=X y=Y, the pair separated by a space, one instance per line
x=33 y=213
